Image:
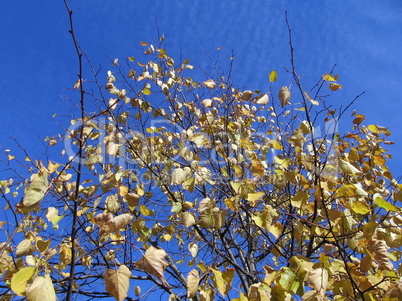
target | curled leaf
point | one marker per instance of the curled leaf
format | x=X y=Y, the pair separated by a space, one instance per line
x=153 y=263
x=284 y=96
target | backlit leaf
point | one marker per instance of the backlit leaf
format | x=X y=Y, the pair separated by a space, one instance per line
x=384 y=204
x=41 y=289
x=36 y=190
x=118 y=282
x=20 y=279
x=193 y=279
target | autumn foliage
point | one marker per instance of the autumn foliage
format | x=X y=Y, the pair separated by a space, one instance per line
x=175 y=185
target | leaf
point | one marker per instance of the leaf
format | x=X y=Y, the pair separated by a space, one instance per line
x=318 y=279
x=20 y=279
x=329 y=77
x=193 y=280
x=380 y=251
x=153 y=263
x=360 y=207
x=41 y=289
x=210 y=84
x=24 y=247
x=334 y=86
x=118 y=222
x=207 y=103
x=384 y=204
x=284 y=96
x=247 y=95
x=117 y=282
x=223 y=280
x=36 y=190
x=348 y=168
x=188 y=219
x=273 y=76
x=262 y=99
x=378 y=129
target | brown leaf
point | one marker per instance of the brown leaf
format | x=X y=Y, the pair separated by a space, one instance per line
x=153 y=263
x=118 y=282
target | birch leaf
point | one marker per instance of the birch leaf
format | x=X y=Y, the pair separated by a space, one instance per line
x=41 y=289
x=117 y=282
x=193 y=280
x=153 y=263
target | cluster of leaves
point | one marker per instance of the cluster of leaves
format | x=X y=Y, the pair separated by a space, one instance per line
x=204 y=191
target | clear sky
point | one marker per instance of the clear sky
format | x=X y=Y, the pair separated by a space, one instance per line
x=38 y=63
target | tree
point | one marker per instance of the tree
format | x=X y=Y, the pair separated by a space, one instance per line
x=183 y=186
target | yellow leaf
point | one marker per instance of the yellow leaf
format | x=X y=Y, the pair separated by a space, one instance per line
x=329 y=77
x=334 y=86
x=53 y=167
x=378 y=129
x=117 y=282
x=123 y=190
x=223 y=280
x=20 y=279
x=360 y=207
x=252 y=197
x=273 y=76
x=257 y=168
x=41 y=289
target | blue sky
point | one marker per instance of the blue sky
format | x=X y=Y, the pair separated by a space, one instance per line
x=38 y=63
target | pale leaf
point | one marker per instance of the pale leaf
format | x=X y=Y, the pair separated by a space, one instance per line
x=262 y=99
x=379 y=249
x=284 y=96
x=153 y=263
x=207 y=103
x=210 y=84
x=318 y=279
x=41 y=289
x=36 y=190
x=117 y=282
x=348 y=168
x=193 y=279
x=118 y=222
